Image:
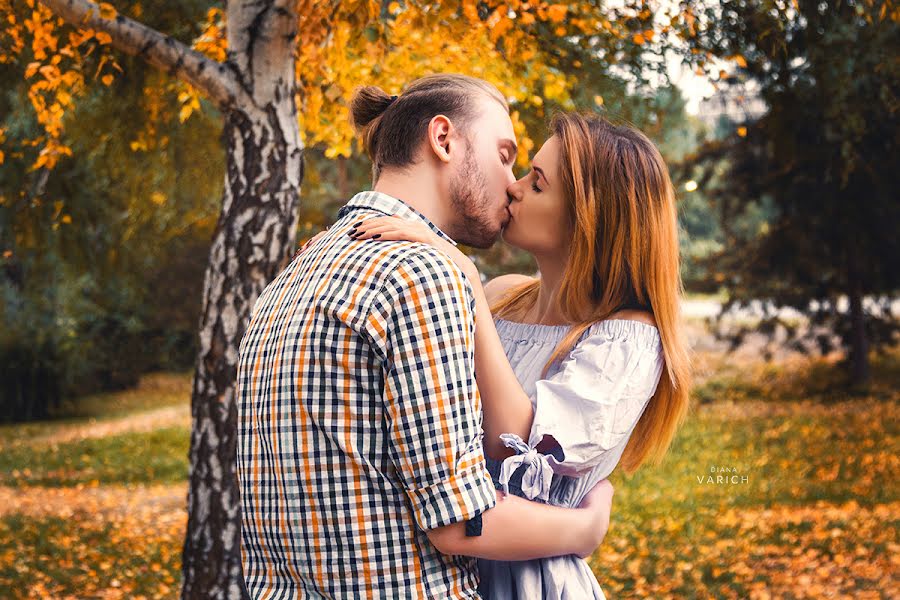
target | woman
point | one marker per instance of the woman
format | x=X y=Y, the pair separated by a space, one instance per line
x=588 y=362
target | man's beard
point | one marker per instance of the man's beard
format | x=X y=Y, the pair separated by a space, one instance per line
x=468 y=196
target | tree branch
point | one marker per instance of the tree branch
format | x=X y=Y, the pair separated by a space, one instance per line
x=214 y=79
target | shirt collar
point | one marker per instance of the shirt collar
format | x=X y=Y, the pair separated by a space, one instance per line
x=390 y=206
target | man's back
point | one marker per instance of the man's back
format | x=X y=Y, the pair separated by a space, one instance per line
x=359 y=422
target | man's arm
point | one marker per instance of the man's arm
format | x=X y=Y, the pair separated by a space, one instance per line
x=422 y=323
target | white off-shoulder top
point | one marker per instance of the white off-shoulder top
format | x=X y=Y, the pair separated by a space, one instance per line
x=589 y=402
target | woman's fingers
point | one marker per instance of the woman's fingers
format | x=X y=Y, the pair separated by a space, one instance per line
x=372 y=221
x=382 y=231
x=313 y=239
x=387 y=228
x=371 y=227
x=310 y=241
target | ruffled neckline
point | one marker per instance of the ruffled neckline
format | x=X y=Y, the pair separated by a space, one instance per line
x=630 y=328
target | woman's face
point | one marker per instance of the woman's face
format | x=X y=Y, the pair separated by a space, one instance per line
x=540 y=222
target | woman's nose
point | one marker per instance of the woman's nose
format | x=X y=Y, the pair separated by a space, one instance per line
x=514 y=190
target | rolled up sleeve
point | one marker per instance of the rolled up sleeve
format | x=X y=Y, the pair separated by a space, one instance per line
x=426 y=311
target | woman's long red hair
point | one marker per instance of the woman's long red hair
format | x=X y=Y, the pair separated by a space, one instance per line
x=624 y=252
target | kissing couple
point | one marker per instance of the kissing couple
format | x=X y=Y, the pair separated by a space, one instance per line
x=407 y=432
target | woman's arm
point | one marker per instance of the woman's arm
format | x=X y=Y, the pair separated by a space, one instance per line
x=507 y=408
x=551 y=530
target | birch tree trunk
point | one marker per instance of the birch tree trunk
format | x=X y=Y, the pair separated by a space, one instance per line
x=255 y=90
x=255 y=229
x=254 y=234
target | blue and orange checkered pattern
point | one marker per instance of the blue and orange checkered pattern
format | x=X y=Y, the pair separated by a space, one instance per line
x=360 y=419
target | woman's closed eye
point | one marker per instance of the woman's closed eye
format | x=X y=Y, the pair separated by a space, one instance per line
x=534 y=184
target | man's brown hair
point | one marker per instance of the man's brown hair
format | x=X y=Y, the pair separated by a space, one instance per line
x=393 y=127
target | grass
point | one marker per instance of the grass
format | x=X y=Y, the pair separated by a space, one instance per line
x=53 y=556
x=820 y=501
x=147 y=457
x=155 y=391
x=104 y=516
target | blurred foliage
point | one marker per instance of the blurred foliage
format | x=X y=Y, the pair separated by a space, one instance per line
x=531 y=50
x=103 y=256
x=806 y=194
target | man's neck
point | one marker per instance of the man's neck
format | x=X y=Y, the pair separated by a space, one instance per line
x=420 y=191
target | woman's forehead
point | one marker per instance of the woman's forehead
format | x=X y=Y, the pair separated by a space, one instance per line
x=548 y=155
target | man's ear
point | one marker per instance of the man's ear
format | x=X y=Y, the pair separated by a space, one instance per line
x=439 y=130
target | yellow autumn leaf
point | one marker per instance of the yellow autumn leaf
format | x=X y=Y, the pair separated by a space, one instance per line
x=66 y=219
x=557 y=12
x=107 y=11
x=637 y=39
x=501 y=27
x=742 y=131
x=107 y=79
x=598 y=100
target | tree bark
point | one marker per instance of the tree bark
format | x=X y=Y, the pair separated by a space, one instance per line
x=253 y=237
x=255 y=89
x=254 y=233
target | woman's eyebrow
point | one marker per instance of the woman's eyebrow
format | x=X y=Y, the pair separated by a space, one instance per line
x=540 y=172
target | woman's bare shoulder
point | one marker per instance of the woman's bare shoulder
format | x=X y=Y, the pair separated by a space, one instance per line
x=496 y=287
x=635 y=315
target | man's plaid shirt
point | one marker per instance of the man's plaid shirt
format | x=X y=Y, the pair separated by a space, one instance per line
x=360 y=419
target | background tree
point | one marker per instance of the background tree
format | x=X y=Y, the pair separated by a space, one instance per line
x=820 y=163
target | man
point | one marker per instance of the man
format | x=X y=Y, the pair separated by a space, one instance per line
x=360 y=459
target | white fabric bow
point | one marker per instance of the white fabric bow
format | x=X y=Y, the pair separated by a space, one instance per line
x=538 y=473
